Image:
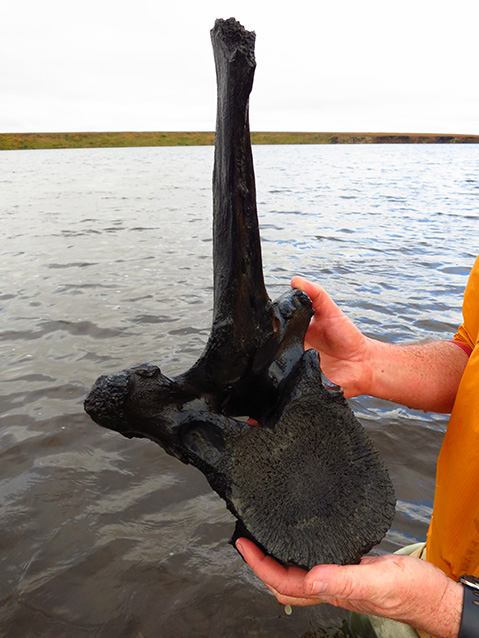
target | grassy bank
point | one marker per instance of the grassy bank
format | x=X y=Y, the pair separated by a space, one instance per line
x=15 y=141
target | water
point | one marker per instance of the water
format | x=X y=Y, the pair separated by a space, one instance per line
x=106 y=262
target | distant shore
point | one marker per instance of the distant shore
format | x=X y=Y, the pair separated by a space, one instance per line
x=17 y=141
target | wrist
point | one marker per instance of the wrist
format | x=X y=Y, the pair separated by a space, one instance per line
x=445 y=620
x=374 y=370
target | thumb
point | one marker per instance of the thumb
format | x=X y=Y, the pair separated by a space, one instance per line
x=339 y=581
x=319 y=297
x=311 y=289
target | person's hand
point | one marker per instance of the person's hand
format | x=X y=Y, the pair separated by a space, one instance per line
x=423 y=376
x=343 y=349
x=402 y=588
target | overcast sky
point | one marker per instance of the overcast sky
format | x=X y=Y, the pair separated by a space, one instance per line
x=147 y=65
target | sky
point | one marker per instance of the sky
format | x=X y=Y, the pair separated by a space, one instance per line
x=406 y=66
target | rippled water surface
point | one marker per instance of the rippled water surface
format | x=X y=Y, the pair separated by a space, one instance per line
x=106 y=262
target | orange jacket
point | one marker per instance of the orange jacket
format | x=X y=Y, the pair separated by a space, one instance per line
x=453 y=536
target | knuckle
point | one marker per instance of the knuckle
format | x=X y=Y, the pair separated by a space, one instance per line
x=346 y=590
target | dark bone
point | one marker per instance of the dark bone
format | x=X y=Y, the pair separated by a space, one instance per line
x=307 y=485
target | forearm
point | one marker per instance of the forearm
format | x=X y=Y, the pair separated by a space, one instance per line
x=423 y=376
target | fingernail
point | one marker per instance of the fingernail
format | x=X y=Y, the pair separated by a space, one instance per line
x=239 y=547
x=318 y=587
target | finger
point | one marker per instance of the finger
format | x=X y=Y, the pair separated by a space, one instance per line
x=286 y=581
x=293 y=600
x=301 y=601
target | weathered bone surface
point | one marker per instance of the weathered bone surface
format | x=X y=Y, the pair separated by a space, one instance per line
x=307 y=485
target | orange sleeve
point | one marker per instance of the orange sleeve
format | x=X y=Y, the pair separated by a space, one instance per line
x=468 y=331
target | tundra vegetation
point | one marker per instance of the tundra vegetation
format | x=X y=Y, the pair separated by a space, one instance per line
x=17 y=141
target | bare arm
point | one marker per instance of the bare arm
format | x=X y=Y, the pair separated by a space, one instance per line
x=423 y=376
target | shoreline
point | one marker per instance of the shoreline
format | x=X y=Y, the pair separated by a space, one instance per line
x=18 y=141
